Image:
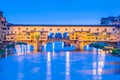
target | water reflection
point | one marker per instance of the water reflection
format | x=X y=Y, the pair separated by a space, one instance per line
x=58 y=46
x=48 y=66
x=23 y=49
x=98 y=63
x=86 y=65
x=67 y=66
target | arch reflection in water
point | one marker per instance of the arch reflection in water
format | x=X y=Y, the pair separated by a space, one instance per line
x=23 y=49
x=98 y=63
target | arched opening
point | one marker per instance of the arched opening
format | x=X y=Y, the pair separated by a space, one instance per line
x=97 y=45
x=19 y=48
x=66 y=35
x=51 y=35
x=58 y=35
x=58 y=46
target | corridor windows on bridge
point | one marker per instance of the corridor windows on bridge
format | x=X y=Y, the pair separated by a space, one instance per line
x=73 y=29
x=113 y=29
x=58 y=35
x=58 y=29
x=66 y=35
x=50 y=35
x=42 y=29
x=105 y=30
x=18 y=28
x=89 y=29
x=26 y=28
x=81 y=29
x=66 y=29
x=97 y=29
x=34 y=28
x=50 y=29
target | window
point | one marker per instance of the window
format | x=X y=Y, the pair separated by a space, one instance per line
x=97 y=29
x=81 y=29
x=42 y=28
x=66 y=29
x=105 y=29
x=73 y=29
x=113 y=29
x=89 y=29
x=8 y=28
x=58 y=29
x=18 y=28
x=26 y=28
x=34 y=28
x=50 y=29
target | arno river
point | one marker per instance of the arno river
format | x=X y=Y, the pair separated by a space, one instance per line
x=25 y=64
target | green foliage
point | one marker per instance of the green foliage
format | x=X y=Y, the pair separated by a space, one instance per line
x=1 y=51
x=116 y=51
x=37 y=36
x=97 y=45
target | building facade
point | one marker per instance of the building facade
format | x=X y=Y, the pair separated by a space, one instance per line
x=3 y=24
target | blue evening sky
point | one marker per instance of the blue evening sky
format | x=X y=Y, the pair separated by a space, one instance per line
x=58 y=11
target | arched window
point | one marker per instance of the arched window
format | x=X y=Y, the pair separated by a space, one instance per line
x=58 y=35
x=51 y=35
x=66 y=35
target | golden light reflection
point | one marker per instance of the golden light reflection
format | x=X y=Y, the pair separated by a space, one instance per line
x=67 y=66
x=48 y=66
x=98 y=63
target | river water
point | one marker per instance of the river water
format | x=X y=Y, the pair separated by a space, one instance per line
x=59 y=65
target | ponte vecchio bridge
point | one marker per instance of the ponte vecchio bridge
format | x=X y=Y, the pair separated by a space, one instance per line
x=78 y=35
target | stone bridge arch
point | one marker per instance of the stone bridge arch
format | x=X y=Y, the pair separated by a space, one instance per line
x=85 y=43
x=75 y=43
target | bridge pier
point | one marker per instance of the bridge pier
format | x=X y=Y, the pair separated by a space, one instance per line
x=81 y=45
x=35 y=45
